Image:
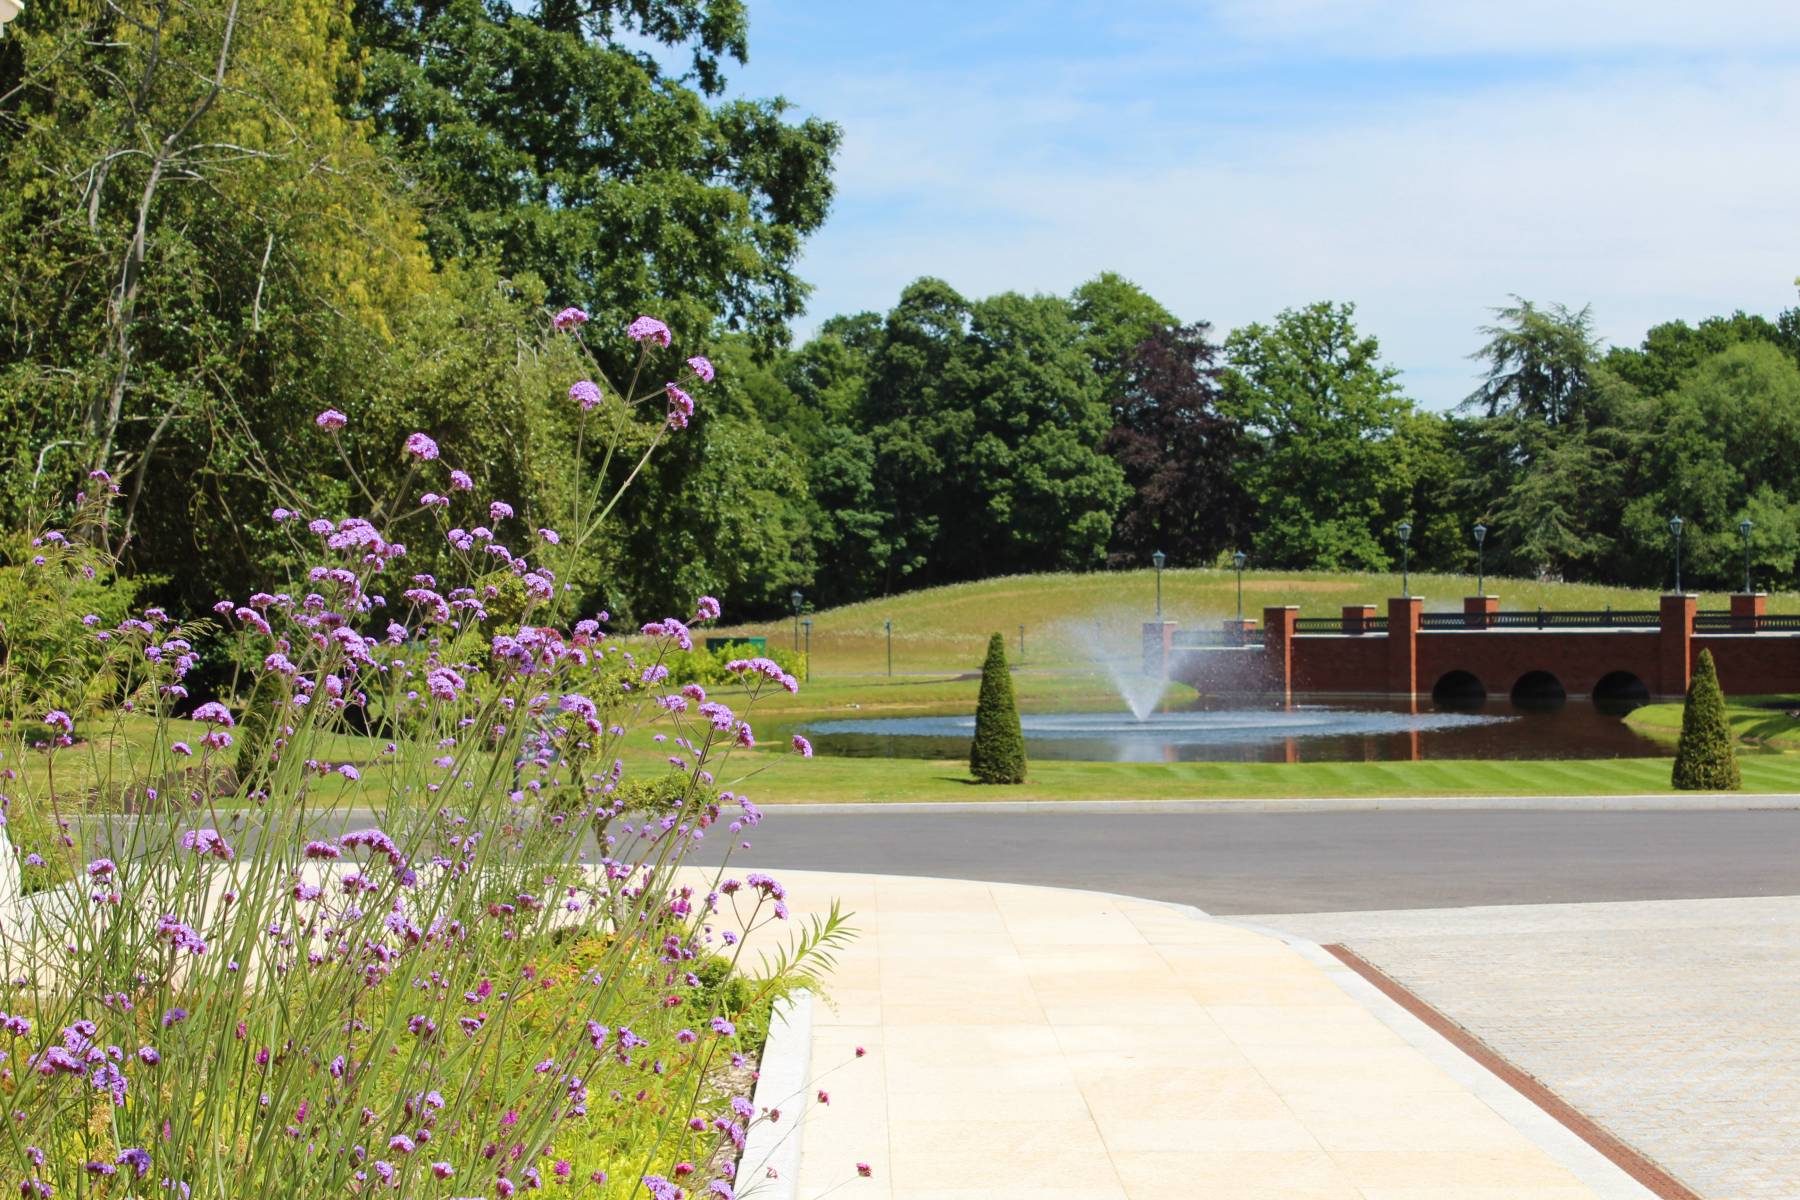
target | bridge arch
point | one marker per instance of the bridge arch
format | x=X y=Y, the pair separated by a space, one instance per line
x=1538 y=690
x=1458 y=689
x=1620 y=692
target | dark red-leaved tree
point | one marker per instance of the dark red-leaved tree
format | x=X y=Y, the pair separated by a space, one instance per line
x=1177 y=450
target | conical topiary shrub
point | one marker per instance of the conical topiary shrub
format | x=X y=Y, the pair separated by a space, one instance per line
x=1706 y=758
x=998 y=753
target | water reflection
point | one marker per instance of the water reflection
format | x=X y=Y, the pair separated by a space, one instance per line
x=1533 y=726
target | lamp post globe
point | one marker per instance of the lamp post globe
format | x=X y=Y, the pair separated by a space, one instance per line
x=1238 y=560
x=1480 y=559
x=797 y=600
x=1158 y=559
x=8 y=10
x=1675 y=524
x=1404 y=529
x=1744 y=528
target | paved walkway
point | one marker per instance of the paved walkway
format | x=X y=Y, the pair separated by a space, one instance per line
x=1674 y=1024
x=1058 y=1045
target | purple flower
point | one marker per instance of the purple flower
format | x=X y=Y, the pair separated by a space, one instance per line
x=207 y=841
x=681 y=406
x=648 y=329
x=585 y=393
x=443 y=683
x=707 y=609
x=214 y=713
x=101 y=868
x=57 y=719
x=433 y=500
x=401 y=1144
x=442 y=1170
x=349 y=772
x=148 y=1056
x=183 y=749
x=802 y=746
x=702 y=367
x=331 y=419
x=460 y=482
x=182 y=937
x=499 y=510
x=722 y=1027
x=137 y=1160
x=570 y=318
x=421 y=447
x=282 y=514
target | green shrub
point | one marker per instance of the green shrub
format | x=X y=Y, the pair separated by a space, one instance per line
x=707 y=667
x=997 y=754
x=1706 y=757
x=49 y=655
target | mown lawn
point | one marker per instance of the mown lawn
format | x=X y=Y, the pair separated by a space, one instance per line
x=773 y=774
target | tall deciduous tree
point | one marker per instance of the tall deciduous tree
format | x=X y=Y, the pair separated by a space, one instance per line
x=1179 y=451
x=1327 y=414
x=551 y=137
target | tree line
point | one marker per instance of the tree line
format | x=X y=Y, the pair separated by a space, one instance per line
x=954 y=438
x=220 y=218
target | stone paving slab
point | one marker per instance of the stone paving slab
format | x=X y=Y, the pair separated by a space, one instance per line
x=1067 y=1045
x=1674 y=1024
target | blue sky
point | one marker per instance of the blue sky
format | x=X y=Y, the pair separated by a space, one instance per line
x=1421 y=158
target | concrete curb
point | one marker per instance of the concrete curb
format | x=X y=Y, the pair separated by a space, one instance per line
x=1672 y=802
x=782 y=1078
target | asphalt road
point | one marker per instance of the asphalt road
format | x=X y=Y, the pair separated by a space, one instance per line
x=1293 y=862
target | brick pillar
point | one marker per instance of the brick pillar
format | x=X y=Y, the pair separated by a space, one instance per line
x=1357 y=617
x=1403 y=644
x=1279 y=622
x=1746 y=611
x=1159 y=641
x=1675 y=650
x=1478 y=611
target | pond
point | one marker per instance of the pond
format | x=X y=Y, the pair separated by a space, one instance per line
x=1355 y=731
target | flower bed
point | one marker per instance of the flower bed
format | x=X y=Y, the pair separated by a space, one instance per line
x=459 y=999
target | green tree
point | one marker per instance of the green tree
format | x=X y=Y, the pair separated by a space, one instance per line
x=1327 y=415
x=1706 y=756
x=1674 y=348
x=1719 y=445
x=1544 y=449
x=1539 y=362
x=997 y=754
x=550 y=137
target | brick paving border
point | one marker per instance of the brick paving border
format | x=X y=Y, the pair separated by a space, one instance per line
x=1624 y=1156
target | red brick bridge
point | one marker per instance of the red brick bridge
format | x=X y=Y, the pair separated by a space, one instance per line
x=1483 y=651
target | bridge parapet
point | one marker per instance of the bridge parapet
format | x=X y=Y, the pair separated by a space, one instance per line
x=1407 y=650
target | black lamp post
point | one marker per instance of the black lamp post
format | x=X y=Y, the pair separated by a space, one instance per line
x=1405 y=532
x=807 y=674
x=797 y=600
x=1744 y=527
x=1159 y=558
x=1480 y=559
x=1675 y=532
x=1238 y=560
x=890 y=641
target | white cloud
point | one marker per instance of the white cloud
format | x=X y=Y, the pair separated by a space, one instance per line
x=1398 y=28
x=1651 y=192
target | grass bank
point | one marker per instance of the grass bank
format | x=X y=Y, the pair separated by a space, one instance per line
x=946 y=628
x=1761 y=721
